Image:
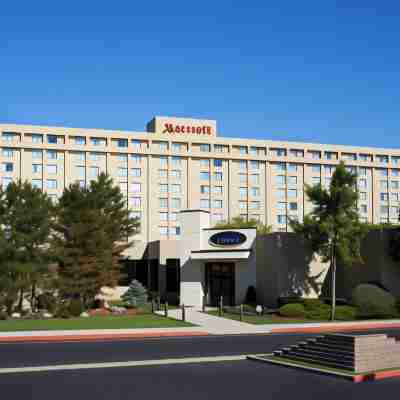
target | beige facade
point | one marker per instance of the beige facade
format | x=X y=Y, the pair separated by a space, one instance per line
x=182 y=163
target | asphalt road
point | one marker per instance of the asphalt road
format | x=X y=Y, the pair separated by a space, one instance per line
x=227 y=380
x=218 y=380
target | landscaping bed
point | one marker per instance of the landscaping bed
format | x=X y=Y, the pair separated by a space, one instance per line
x=95 y=322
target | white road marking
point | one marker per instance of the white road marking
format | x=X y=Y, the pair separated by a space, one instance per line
x=143 y=363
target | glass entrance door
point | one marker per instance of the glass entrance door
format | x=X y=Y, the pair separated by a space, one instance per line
x=220 y=281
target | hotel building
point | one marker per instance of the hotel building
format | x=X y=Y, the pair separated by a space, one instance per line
x=182 y=164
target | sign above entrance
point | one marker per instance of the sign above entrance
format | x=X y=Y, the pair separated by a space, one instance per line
x=183 y=126
x=227 y=238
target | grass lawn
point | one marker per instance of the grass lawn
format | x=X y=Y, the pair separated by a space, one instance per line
x=264 y=319
x=98 y=322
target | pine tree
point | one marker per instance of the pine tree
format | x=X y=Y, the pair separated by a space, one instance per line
x=25 y=224
x=93 y=227
x=136 y=295
x=332 y=229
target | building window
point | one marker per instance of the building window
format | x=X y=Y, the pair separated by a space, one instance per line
x=217 y=163
x=8 y=167
x=243 y=165
x=51 y=154
x=278 y=167
x=296 y=153
x=254 y=165
x=382 y=159
x=363 y=195
x=280 y=193
x=292 y=193
x=175 y=188
x=136 y=187
x=37 y=168
x=176 y=162
x=136 y=144
x=242 y=178
x=293 y=206
x=122 y=142
x=316 y=180
x=136 y=158
x=383 y=172
x=51 y=169
x=243 y=205
x=315 y=155
x=122 y=158
x=204 y=147
x=217 y=203
x=395 y=160
x=316 y=168
x=79 y=140
x=136 y=172
x=37 y=183
x=80 y=171
x=384 y=185
x=255 y=191
x=292 y=180
x=218 y=190
x=365 y=157
x=204 y=176
x=79 y=156
x=394 y=196
x=8 y=153
x=163 y=188
x=363 y=208
x=163 y=230
x=135 y=202
x=204 y=189
x=243 y=192
x=278 y=152
x=52 y=139
x=97 y=141
x=204 y=163
x=163 y=202
x=217 y=217
x=94 y=172
x=175 y=230
x=395 y=172
x=95 y=156
x=164 y=161
x=292 y=168
x=163 y=216
x=254 y=205
x=254 y=179
x=362 y=171
x=204 y=203
x=51 y=184
x=281 y=205
x=330 y=155
x=175 y=174
x=384 y=197
x=218 y=176
x=362 y=183
x=5 y=181
x=163 y=173
x=36 y=138
x=173 y=216
x=281 y=219
x=242 y=149
x=163 y=146
x=175 y=203
x=280 y=180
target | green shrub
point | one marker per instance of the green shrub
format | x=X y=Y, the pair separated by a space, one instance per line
x=293 y=310
x=373 y=302
x=47 y=301
x=75 y=307
x=312 y=304
x=136 y=295
x=345 y=313
x=63 y=311
x=282 y=301
x=321 y=312
x=3 y=316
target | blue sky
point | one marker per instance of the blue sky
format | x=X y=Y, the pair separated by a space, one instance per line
x=325 y=71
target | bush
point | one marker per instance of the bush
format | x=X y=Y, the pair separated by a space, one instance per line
x=345 y=313
x=289 y=300
x=251 y=296
x=75 y=307
x=63 y=311
x=312 y=304
x=293 y=310
x=321 y=313
x=3 y=316
x=47 y=301
x=136 y=295
x=373 y=302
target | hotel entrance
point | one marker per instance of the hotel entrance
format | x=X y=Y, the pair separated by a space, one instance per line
x=220 y=281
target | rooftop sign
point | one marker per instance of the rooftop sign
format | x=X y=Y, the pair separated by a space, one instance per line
x=227 y=238
x=182 y=126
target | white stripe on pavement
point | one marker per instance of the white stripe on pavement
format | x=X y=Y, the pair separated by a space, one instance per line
x=143 y=363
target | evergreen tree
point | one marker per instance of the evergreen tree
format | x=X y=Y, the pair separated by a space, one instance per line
x=25 y=225
x=93 y=229
x=136 y=295
x=332 y=229
x=239 y=222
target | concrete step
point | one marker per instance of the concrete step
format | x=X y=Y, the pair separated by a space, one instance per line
x=320 y=362
x=319 y=358
x=329 y=349
x=324 y=354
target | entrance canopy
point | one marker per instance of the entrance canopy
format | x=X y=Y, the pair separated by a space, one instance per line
x=220 y=254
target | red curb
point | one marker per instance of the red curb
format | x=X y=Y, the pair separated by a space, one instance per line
x=334 y=328
x=376 y=376
x=88 y=338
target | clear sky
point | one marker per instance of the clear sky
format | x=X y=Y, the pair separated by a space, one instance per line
x=324 y=71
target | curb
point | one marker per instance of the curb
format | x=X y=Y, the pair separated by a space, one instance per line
x=366 y=377
x=335 y=328
x=96 y=337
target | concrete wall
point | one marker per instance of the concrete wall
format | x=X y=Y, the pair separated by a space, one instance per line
x=286 y=268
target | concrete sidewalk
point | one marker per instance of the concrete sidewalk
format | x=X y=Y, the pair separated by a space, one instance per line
x=98 y=334
x=223 y=326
